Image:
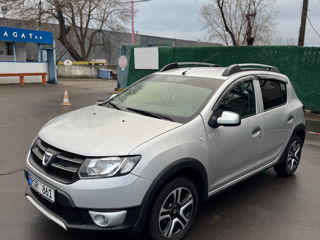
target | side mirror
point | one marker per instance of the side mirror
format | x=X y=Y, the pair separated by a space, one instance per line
x=213 y=120
x=112 y=96
x=229 y=119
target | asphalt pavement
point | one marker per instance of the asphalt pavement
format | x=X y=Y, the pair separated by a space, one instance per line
x=264 y=207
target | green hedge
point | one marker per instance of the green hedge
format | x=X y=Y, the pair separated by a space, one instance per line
x=300 y=64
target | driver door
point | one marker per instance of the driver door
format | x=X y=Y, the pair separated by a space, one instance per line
x=234 y=149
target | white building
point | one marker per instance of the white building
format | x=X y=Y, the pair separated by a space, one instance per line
x=15 y=68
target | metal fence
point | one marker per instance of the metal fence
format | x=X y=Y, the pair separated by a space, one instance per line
x=300 y=64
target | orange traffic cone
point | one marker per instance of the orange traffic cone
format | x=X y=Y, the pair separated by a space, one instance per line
x=66 y=99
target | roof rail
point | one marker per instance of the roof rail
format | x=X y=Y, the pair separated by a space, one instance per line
x=181 y=64
x=235 y=68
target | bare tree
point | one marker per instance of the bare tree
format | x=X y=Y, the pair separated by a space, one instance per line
x=80 y=21
x=239 y=22
x=291 y=41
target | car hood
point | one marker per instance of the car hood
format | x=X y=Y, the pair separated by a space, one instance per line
x=101 y=131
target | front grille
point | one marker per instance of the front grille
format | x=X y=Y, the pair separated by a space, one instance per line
x=64 y=165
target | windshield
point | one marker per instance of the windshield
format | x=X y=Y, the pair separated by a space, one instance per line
x=176 y=98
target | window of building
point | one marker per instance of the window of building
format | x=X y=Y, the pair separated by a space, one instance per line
x=6 y=48
x=274 y=93
x=9 y=48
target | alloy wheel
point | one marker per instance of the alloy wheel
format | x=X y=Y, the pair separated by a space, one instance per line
x=176 y=212
x=294 y=155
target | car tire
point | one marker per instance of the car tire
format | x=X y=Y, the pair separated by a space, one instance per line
x=290 y=159
x=173 y=211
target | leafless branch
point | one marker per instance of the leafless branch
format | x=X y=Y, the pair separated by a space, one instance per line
x=240 y=22
x=79 y=20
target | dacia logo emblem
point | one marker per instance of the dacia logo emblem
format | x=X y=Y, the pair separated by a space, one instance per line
x=47 y=158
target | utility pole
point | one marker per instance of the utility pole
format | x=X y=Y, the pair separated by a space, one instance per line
x=303 y=22
x=132 y=2
x=132 y=23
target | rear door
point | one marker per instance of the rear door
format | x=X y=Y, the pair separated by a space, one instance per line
x=277 y=121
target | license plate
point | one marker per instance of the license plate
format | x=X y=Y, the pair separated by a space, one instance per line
x=42 y=189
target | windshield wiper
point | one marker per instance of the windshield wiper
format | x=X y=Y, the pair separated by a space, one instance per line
x=150 y=114
x=114 y=105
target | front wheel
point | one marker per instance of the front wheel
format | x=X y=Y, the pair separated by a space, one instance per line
x=174 y=210
x=291 y=157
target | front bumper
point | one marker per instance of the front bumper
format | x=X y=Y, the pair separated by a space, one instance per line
x=45 y=212
x=69 y=217
x=64 y=213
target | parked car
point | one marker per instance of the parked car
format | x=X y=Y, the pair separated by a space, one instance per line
x=146 y=158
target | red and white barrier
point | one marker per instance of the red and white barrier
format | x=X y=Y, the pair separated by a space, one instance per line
x=314 y=133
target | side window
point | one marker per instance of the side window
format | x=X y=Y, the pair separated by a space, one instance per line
x=274 y=93
x=240 y=99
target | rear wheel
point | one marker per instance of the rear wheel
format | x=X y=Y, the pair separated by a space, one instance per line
x=174 y=210
x=291 y=157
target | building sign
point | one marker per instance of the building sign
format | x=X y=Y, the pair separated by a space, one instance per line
x=25 y=35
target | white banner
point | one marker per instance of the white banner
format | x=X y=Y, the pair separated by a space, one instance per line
x=146 y=58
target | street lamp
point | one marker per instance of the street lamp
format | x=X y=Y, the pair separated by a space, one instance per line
x=132 y=17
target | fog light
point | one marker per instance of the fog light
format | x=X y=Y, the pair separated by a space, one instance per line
x=101 y=220
x=108 y=219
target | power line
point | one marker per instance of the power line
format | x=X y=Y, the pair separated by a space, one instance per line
x=314 y=29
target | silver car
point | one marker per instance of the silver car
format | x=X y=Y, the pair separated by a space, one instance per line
x=146 y=158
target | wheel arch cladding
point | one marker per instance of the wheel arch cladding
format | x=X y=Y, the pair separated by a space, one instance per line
x=300 y=130
x=188 y=167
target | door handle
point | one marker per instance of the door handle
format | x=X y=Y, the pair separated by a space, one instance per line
x=256 y=131
x=290 y=118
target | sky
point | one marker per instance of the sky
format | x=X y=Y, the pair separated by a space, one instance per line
x=181 y=19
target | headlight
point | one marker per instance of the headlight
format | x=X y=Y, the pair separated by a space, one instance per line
x=108 y=166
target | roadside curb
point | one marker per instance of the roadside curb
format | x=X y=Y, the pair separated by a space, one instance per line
x=312 y=139
x=313 y=143
x=312 y=116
